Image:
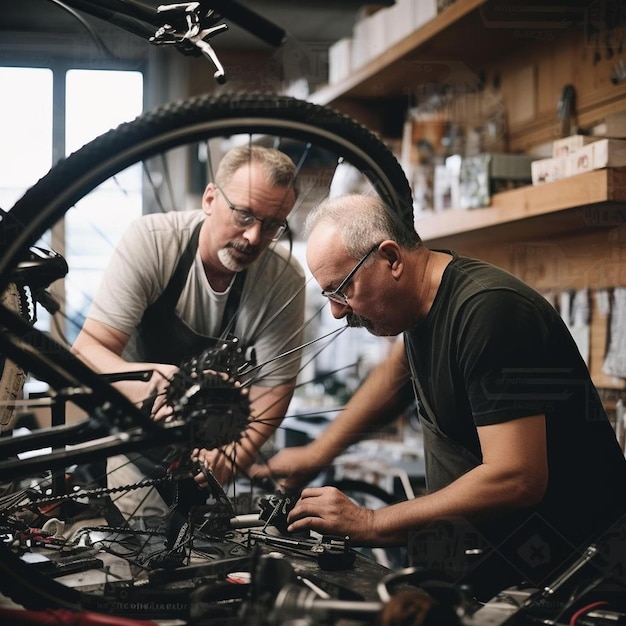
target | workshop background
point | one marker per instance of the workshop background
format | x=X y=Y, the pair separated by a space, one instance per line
x=508 y=117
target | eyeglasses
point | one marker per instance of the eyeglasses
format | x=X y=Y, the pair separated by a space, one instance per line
x=244 y=218
x=337 y=295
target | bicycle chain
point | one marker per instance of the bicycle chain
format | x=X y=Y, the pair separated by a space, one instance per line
x=98 y=492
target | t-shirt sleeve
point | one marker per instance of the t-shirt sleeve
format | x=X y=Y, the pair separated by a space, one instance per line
x=504 y=356
x=129 y=282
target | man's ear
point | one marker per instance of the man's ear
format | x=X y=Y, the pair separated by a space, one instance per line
x=208 y=197
x=390 y=251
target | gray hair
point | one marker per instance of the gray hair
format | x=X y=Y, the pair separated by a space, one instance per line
x=280 y=168
x=362 y=221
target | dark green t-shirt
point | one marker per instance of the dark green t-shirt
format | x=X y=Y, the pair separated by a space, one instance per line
x=491 y=350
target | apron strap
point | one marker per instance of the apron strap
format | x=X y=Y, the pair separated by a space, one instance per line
x=174 y=287
x=231 y=310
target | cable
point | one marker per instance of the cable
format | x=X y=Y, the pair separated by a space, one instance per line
x=585 y=609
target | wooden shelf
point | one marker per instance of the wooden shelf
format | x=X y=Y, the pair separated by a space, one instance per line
x=438 y=51
x=587 y=201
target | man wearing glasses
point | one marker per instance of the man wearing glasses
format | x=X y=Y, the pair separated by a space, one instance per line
x=514 y=430
x=180 y=279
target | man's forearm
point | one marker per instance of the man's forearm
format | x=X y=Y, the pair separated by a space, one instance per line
x=379 y=400
x=103 y=361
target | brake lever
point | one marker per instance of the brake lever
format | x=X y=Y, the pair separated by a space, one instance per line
x=194 y=34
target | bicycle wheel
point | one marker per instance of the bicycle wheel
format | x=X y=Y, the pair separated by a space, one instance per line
x=322 y=142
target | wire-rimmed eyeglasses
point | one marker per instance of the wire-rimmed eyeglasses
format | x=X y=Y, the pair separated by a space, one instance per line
x=337 y=295
x=244 y=218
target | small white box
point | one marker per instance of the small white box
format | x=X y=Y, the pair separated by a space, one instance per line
x=399 y=20
x=376 y=32
x=339 y=60
x=424 y=11
x=361 y=50
x=567 y=145
x=549 y=170
x=599 y=154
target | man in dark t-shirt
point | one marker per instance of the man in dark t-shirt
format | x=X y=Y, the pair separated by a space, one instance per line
x=521 y=460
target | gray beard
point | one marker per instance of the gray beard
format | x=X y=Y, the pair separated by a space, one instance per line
x=356 y=321
x=229 y=262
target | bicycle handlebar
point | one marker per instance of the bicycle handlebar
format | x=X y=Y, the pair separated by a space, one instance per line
x=250 y=21
x=142 y=19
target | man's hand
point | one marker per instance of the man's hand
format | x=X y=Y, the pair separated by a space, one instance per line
x=292 y=468
x=328 y=511
x=157 y=388
x=215 y=460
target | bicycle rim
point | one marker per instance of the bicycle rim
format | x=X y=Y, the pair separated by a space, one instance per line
x=284 y=122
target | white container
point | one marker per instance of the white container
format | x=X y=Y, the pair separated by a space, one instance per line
x=340 y=60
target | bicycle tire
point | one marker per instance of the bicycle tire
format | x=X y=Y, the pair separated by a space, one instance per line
x=174 y=124
x=179 y=122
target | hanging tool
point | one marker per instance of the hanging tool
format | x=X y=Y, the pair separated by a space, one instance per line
x=567 y=111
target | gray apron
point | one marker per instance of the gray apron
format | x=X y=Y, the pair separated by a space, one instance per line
x=179 y=342
x=162 y=337
x=445 y=460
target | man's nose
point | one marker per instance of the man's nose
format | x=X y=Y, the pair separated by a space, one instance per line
x=339 y=310
x=253 y=233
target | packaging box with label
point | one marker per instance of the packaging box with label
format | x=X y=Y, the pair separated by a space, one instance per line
x=549 y=170
x=599 y=154
x=567 y=145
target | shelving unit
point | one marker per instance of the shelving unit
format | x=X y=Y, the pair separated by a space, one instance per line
x=475 y=35
x=562 y=235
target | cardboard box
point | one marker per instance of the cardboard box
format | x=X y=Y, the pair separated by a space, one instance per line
x=551 y=169
x=614 y=125
x=598 y=155
x=567 y=145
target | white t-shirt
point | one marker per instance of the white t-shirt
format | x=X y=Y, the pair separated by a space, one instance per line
x=271 y=309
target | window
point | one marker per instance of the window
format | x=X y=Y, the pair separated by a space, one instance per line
x=93 y=226
x=31 y=115
x=25 y=129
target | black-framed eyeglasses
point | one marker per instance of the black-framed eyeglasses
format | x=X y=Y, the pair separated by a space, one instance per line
x=337 y=295
x=244 y=218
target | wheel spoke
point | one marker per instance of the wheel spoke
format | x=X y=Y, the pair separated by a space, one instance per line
x=143 y=160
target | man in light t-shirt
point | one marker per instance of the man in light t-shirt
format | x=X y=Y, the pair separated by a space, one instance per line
x=169 y=291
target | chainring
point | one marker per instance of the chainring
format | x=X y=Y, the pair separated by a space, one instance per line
x=208 y=392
